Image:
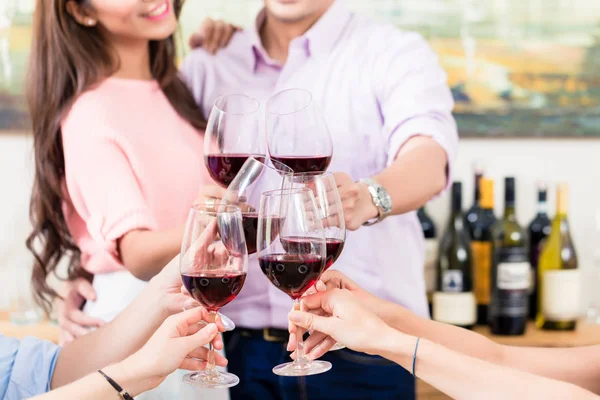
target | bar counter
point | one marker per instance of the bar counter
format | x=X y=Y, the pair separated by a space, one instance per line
x=584 y=335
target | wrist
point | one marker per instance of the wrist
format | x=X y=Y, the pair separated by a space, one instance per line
x=132 y=376
x=156 y=300
x=396 y=346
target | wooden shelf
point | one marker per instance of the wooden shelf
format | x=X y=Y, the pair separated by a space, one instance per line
x=584 y=335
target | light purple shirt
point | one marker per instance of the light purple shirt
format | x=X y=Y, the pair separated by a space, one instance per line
x=377 y=87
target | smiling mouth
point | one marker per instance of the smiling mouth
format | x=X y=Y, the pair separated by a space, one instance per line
x=158 y=11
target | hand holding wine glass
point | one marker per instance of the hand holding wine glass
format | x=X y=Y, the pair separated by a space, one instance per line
x=297 y=134
x=213 y=265
x=285 y=216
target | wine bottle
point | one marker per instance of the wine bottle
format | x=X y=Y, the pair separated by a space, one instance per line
x=454 y=301
x=559 y=280
x=481 y=245
x=538 y=230
x=474 y=213
x=431 y=252
x=511 y=271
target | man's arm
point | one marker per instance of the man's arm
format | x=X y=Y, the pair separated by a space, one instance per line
x=416 y=105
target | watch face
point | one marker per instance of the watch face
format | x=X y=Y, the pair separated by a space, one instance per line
x=385 y=200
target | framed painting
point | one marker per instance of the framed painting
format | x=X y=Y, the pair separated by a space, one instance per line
x=517 y=68
x=15 y=42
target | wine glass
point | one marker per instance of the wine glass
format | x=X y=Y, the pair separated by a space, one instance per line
x=254 y=178
x=330 y=206
x=297 y=134
x=285 y=216
x=213 y=264
x=232 y=135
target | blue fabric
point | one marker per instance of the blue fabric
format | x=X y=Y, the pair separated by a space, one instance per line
x=26 y=367
x=354 y=376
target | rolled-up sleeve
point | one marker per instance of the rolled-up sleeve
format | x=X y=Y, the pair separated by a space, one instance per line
x=104 y=190
x=413 y=95
x=26 y=367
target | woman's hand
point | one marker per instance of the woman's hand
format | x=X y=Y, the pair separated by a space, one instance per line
x=340 y=315
x=320 y=343
x=356 y=200
x=177 y=344
x=72 y=321
x=213 y=35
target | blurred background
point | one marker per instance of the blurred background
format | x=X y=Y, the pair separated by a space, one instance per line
x=525 y=75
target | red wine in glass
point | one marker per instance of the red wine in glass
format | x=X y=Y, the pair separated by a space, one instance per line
x=293 y=274
x=214 y=289
x=302 y=164
x=333 y=247
x=250 y=225
x=224 y=167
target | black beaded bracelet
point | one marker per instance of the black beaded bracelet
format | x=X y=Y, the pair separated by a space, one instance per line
x=118 y=388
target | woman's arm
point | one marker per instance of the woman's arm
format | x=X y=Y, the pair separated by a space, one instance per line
x=144 y=253
x=464 y=377
x=178 y=343
x=460 y=376
x=124 y=335
x=579 y=366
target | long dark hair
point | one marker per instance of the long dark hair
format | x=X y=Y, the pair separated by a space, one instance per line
x=66 y=59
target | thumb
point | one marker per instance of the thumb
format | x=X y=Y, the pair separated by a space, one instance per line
x=313 y=322
x=201 y=338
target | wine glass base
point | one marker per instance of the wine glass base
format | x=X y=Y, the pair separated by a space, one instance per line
x=311 y=368
x=337 y=346
x=202 y=380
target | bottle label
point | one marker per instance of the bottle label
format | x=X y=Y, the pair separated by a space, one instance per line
x=452 y=281
x=431 y=253
x=514 y=276
x=561 y=294
x=455 y=308
x=482 y=257
x=510 y=283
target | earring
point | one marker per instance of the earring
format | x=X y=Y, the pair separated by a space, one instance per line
x=90 y=22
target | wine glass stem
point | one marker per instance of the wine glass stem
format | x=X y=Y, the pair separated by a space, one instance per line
x=210 y=367
x=300 y=354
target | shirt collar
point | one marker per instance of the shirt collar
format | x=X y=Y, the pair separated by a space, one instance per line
x=320 y=38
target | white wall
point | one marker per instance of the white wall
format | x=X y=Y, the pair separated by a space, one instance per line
x=16 y=177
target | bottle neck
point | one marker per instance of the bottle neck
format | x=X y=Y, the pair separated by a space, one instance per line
x=477 y=194
x=510 y=211
x=542 y=207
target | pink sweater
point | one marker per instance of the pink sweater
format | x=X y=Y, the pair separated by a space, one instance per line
x=131 y=163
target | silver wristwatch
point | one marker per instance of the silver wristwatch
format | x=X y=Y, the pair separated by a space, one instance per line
x=381 y=199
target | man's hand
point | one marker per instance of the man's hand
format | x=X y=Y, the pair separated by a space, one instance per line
x=356 y=200
x=212 y=35
x=72 y=321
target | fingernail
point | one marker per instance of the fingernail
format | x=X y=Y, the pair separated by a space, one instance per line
x=295 y=316
x=211 y=328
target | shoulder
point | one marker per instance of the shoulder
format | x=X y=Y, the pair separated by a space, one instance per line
x=379 y=39
x=199 y=59
x=90 y=109
x=26 y=366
